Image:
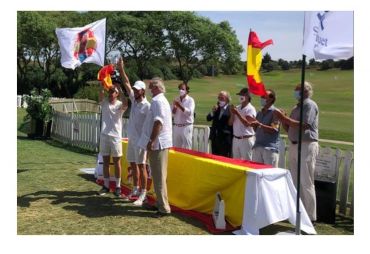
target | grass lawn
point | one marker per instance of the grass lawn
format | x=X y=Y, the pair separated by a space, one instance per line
x=54 y=198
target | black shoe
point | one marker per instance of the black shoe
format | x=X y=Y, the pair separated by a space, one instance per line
x=117 y=192
x=104 y=190
x=146 y=206
x=159 y=214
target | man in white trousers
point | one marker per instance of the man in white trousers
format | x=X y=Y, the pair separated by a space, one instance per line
x=243 y=119
x=183 y=117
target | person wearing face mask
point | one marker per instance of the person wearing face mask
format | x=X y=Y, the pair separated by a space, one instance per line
x=221 y=133
x=266 y=147
x=136 y=156
x=183 y=117
x=243 y=119
x=309 y=148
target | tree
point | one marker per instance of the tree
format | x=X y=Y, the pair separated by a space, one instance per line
x=195 y=41
x=139 y=36
x=284 y=65
x=266 y=65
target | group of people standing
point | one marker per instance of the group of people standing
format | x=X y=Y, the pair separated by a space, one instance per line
x=237 y=131
x=241 y=132
x=150 y=137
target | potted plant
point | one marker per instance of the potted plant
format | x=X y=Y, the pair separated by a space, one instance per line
x=39 y=112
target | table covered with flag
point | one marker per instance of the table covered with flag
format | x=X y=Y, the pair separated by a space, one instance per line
x=254 y=194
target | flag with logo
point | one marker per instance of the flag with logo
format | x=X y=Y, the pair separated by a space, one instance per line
x=328 y=34
x=254 y=61
x=80 y=45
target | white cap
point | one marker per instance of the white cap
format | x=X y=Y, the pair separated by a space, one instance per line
x=139 y=85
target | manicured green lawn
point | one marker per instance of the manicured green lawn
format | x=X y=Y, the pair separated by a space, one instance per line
x=54 y=198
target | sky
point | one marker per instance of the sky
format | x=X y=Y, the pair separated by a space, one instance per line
x=285 y=28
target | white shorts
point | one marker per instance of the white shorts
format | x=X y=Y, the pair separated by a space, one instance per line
x=110 y=146
x=136 y=154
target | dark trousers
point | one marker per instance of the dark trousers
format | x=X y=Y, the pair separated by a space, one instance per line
x=222 y=146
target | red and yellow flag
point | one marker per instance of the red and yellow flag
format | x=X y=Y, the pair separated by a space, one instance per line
x=254 y=60
x=104 y=75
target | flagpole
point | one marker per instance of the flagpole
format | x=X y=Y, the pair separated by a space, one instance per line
x=298 y=214
x=105 y=62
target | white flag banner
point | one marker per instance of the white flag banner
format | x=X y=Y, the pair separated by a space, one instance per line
x=328 y=34
x=82 y=44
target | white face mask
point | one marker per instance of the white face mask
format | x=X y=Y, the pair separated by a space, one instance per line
x=263 y=102
x=222 y=103
x=297 y=95
x=242 y=99
x=182 y=92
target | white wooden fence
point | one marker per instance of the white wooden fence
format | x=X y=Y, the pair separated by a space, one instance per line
x=83 y=130
x=332 y=165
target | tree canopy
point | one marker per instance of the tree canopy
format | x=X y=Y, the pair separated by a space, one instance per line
x=173 y=45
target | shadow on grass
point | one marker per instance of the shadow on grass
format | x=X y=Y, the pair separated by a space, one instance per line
x=343 y=223
x=21 y=170
x=85 y=203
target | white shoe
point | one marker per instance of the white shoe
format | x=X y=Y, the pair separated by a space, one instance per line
x=140 y=200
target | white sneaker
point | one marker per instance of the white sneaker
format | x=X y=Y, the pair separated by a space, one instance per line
x=140 y=200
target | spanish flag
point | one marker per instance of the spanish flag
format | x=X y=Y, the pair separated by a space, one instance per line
x=104 y=75
x=254 y=60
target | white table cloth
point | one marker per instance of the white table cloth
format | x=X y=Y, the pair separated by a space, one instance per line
x=270 y=197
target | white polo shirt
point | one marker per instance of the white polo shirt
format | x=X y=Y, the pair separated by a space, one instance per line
x=138 y=112
x=160 y=110
x=112 y=118
x=186 y=117
x=239 y=129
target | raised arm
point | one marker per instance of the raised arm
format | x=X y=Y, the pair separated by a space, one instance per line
x=126 y=81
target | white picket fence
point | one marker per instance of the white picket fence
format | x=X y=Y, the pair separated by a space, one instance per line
x=334 y=166
x=83 y=130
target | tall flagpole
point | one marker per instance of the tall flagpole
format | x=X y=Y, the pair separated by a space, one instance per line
x=298 y=214
x=105 y=62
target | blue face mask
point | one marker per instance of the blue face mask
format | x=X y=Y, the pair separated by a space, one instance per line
x=297 y=95
x=263 y=102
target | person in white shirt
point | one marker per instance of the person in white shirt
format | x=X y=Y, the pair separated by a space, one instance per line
x=243 y=120
x=157 y=139
x=111 y=133
x=183 y=116
x=136 y=155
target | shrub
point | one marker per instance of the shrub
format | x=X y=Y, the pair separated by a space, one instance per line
x=38 y=105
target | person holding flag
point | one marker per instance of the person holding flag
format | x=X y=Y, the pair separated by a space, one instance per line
x=111 y=133
x=136 y=155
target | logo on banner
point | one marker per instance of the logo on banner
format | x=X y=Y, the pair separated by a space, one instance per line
x=85 y=45
x=320 y=40
x=321 y=17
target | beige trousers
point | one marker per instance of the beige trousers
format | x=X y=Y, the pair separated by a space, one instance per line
x=262 y=155
x=158 y=160
x=309 y=152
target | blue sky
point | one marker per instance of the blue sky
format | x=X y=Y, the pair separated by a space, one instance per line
x=285 y=28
